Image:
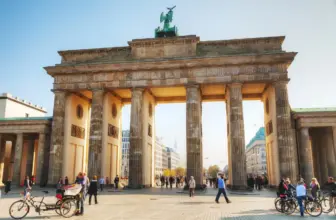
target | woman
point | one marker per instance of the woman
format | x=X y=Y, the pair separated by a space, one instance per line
x=301 y=194
x=80 y=202
x=315 y=188
x=93 y=189
x=192 y=185
x=27 y=185
x=59 y=183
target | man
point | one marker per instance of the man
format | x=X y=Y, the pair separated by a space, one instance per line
x=116 y=182
x=86 y=185
x=330 y=187
x=101 y=183
x=221 y=189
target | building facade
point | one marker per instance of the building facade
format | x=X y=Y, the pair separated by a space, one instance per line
x=125 y=153
x=14 y=107
x=24 y=137
x=256 y=154
x=173 y=158
x=158 y=166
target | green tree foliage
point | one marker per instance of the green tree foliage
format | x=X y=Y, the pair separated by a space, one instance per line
x=213 y=170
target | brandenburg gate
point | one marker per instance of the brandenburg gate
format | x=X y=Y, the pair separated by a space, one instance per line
x=151 y=71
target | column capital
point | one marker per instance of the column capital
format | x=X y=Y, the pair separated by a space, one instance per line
x=137 y=89
x=235 y=85
x=196 y=86
x=281 y=82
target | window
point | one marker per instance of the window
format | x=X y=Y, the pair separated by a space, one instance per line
x=79 y=111
x=267 y=106
x=114 y=110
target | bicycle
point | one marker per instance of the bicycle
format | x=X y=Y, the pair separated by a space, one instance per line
x=289 y=204
x=23 y=205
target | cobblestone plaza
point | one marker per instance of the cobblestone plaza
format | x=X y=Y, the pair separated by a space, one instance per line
x=167 y=204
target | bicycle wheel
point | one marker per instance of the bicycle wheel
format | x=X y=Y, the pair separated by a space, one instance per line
x=19 y=209
x=290 y=207
x=277 y=205
x=68 y=208
x=313 y=208
x=325 y=205
x=58 y=207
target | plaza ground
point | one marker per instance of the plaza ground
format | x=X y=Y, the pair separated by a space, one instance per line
x=166 y=204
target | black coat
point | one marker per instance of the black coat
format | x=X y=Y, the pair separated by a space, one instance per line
x=93 y=188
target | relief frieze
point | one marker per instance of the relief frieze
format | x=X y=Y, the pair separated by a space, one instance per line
x=143 y=78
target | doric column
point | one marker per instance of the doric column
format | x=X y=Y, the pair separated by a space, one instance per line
x=285 y=134
x=96 y=131
x=2 y=158
x=17 y=160
x=306 y=160
x=40 y=158
x=236 y=136
x=321 y=142
x=194 y=133
x=136 y=168
x=330 y=154
x=57 y=138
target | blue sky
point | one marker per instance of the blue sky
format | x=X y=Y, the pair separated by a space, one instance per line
x=32 y=32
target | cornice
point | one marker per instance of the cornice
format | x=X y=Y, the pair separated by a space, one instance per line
x=245 y=41
x=173 y=63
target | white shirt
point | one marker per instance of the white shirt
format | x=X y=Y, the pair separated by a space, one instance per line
x=301 y=190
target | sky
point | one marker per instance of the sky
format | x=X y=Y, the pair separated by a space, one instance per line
x=31 y=33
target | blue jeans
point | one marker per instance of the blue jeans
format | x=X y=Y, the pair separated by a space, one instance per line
x=300 y=200
x=220 y=191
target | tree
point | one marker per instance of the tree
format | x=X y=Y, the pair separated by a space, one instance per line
x=180 y=171
x=166 y=172
x=172 y=173
x=213 y=170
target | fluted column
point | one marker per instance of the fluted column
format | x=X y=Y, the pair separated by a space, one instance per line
x=136 y=153
x=57 y=138
x=236 y=136
x=194 y=133
x=2 y=158
x=40 y=158
x=17 y=160
x=96 y=132
x=330 y=153
x=286 y=143
x=306 y=159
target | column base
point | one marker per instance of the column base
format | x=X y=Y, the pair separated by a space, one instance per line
x=139 y=186
x=239 y=188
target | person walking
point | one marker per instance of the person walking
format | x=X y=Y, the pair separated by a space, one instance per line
x=166 y=179
x=301 y=194
x=93 y=189
x=171 y=181
x=221 y=189
x=107 y=182
x=80 y=202
x=66 y=181
x=101 y=183
x=116 y=182
x=8 y=186
x=192 y=185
